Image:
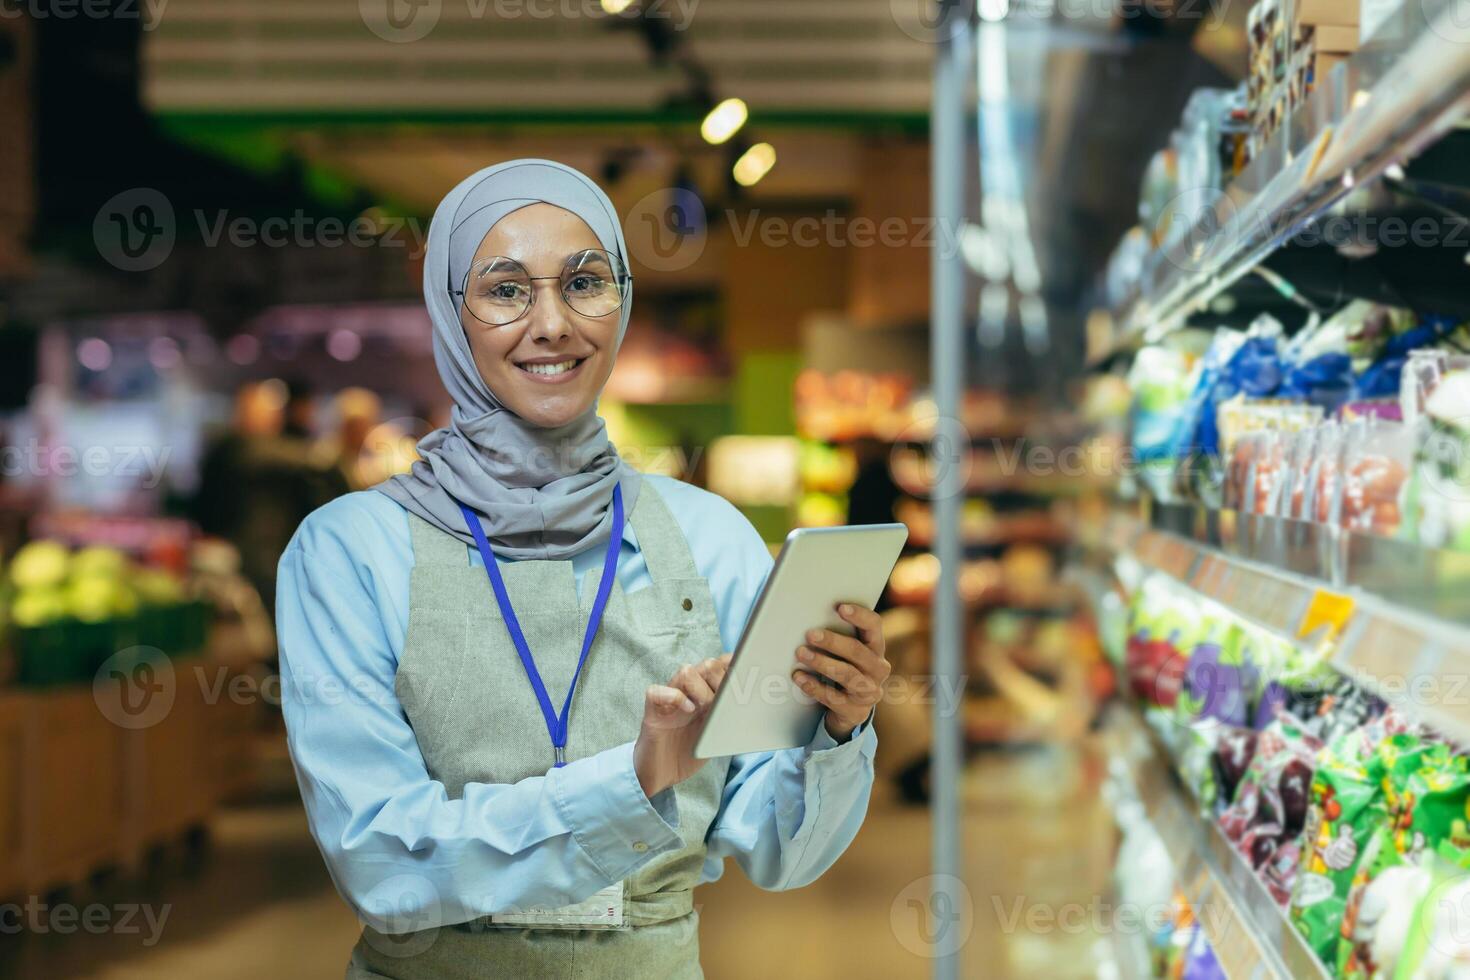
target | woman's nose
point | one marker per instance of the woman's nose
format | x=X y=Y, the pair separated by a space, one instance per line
x=548 y=314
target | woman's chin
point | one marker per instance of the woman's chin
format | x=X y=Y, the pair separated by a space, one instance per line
x=553 y=413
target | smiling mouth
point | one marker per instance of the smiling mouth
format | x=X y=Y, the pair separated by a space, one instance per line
x=558 y=371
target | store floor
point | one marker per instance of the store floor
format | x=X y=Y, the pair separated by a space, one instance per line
x=1037 y=844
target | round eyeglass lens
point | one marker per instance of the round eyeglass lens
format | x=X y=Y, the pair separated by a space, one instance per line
x=498 y=290
x=592 y=282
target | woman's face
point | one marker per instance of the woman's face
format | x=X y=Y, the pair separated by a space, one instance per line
x=551 y=335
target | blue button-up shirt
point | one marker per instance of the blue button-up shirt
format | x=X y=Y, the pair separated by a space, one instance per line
x=404 y=855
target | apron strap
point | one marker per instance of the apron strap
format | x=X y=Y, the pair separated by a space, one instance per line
x=665 y=550
x=432 y=546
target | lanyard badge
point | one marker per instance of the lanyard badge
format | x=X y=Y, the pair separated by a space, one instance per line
x=556 y=724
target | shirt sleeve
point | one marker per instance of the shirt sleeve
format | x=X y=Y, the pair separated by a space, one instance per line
x=401 y=852
x=785 y=817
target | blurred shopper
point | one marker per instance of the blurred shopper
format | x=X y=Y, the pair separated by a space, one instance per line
x=260 y=479
x=448 y=789
x=359 y=413
x=873 y=494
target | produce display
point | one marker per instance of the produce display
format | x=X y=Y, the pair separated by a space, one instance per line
x=66 y=611
x=1356 y=820
x=1360 y=421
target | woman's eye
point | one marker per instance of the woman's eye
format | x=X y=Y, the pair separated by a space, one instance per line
x=584 y=284
x=505 y=291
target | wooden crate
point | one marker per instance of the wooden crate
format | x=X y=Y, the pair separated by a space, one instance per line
x=169 y=767
x=72 y=792
x=13 y=723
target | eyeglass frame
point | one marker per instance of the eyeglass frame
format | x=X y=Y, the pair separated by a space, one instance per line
x=624 y=279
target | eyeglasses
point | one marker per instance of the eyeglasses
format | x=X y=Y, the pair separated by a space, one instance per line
x=498 y=290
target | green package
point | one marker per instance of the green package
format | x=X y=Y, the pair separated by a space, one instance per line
x=1346 y=804
x=1425 y=797
x=1354 y=940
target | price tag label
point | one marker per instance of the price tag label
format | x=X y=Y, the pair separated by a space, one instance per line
x=1326 y=609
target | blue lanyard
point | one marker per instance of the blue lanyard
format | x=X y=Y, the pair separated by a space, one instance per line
x=556 y=725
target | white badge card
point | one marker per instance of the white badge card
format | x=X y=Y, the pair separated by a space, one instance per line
x=603 y=910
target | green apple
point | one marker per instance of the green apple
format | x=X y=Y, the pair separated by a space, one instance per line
x=37 y=607
x=97 y=561
x=40 y=565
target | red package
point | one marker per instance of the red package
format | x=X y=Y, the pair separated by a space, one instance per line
x=1375 y=465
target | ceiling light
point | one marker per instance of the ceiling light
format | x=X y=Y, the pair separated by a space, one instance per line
x=724 y=121
x=754 y=164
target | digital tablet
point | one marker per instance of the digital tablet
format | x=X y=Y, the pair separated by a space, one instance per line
x=759 y=707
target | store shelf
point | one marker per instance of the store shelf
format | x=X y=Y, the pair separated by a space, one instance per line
x=1249 y=932
x=1388 y=102
x=1398 y=611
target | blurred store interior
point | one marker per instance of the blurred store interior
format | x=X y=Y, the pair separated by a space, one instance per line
x=1210 y=443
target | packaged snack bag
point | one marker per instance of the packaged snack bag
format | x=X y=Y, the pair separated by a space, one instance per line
x=1379 y=907
x=1436 y=944
x=1296 y=495
x=1269 y=811
x=1200 y=962
x=1158 y=649
x=1240 y=469
x=1375 y=466
x=1219 y=677
x=1326 y=491
x=1233 y=751
x=1426 y=794
x=1346 y=805
x=1437 y=498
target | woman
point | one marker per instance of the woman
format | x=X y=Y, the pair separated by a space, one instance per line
x=436 y=631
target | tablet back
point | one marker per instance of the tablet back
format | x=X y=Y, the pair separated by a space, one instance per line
x=759 y=707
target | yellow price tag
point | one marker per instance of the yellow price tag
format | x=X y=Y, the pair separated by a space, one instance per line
x=1326 y=609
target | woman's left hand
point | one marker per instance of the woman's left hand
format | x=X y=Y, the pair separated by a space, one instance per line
x=856 y=664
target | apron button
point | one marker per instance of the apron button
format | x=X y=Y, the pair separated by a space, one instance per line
x=639 y=846
x=688 y=604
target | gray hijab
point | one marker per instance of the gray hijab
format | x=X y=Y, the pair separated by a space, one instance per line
x=542 y=492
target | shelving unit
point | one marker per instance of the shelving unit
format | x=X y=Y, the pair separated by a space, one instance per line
x=1397 y=611
x=1386 y=104
x=1249 y=932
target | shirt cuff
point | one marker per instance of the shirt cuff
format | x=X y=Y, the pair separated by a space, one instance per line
x=863 y=741
x=613 y=821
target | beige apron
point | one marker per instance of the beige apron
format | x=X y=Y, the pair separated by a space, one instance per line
x=465 y=691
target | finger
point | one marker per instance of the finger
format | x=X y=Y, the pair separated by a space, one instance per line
x=713 y=671
x=689 y=680
x=869 y=625
x=832 y=698
x=848 y=648
x=853 y=681
x=667 y=700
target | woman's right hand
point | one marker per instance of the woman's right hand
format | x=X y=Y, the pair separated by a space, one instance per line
x=673 y=718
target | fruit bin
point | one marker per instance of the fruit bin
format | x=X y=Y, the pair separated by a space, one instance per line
x=50 y=655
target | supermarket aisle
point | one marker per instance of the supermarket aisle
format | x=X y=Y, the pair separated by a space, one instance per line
x=260 y=903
